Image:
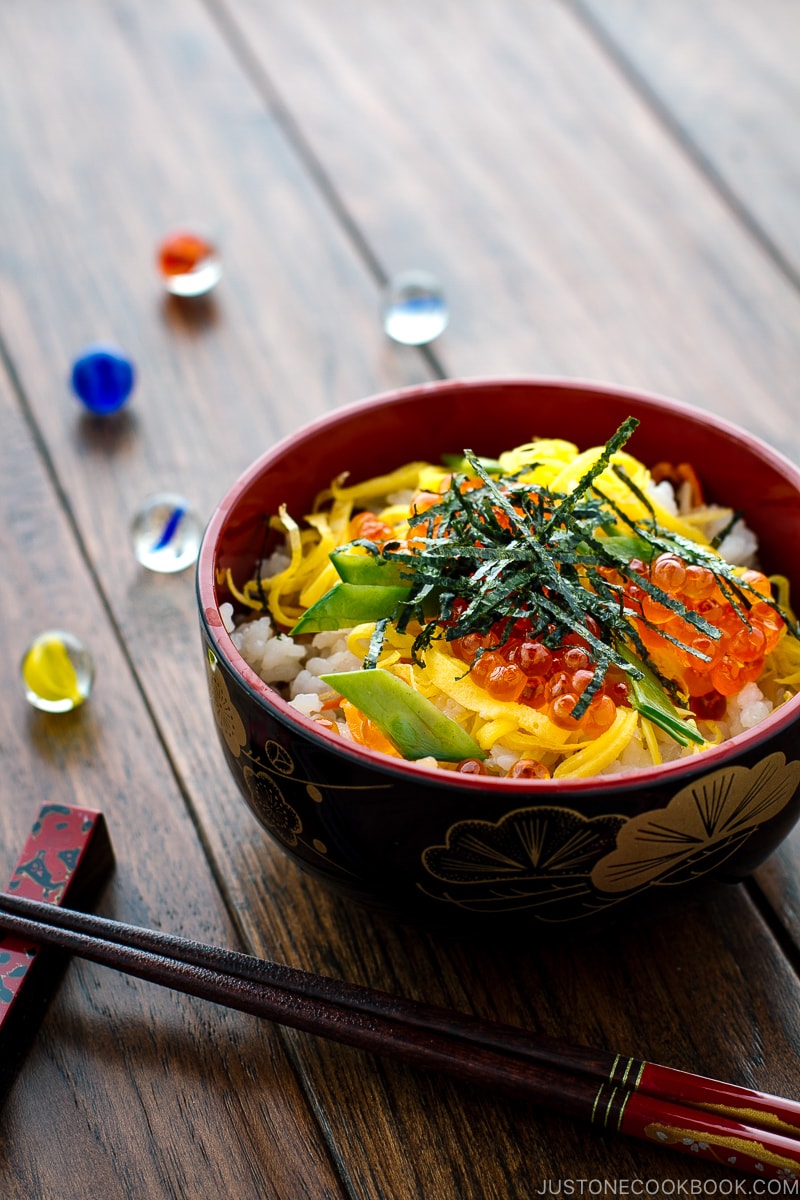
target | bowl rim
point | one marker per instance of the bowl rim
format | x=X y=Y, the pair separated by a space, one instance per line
x=264 y=695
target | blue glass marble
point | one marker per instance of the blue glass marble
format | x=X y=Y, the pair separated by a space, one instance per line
x=103 y=378
x=166 y=533
x=414 y=308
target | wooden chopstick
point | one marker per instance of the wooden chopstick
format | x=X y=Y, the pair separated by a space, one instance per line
x=616 y=1070
x=748 y=1130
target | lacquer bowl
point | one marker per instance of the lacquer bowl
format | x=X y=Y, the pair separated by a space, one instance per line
x=481 y=853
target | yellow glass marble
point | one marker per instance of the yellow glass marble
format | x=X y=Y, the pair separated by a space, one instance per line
x=57 y=672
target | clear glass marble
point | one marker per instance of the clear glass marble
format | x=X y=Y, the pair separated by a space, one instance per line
x=102 y=378
x=190 y=264
x=414 y=308
x=57 y=672
x=166 y=533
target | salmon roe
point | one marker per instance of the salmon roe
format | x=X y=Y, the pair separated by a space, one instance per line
x=472 y=766
x=370 y=526
x=708 y=669
x=528 y=768
x=520 y=668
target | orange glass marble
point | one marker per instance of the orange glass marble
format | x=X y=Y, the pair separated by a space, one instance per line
x=189 y=263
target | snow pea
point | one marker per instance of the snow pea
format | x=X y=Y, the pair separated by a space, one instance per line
x=411 y=722
x=624 y=547
x=369 y=569
x=648 y=697
x=349 y=604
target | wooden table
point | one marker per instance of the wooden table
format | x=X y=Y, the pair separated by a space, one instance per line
x=607 y=189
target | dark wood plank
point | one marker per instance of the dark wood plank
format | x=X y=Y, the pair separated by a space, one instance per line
x=573 y=234
x=127 y=1085
x=130 y=1092
x=130 y=126
x=294 y=330
x=725 y=77
x=778 y=884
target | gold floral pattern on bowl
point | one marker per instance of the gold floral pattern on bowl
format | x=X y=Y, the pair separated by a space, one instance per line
x=532 y=858
x=477 y=854
x=230 y=724
x=703 y=824
x=273 y=810
x=550 y=861
x=566 y=866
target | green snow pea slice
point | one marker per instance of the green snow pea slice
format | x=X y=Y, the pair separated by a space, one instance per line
x=624 y=547
x=457 y=462
x=648 y=697
x=369 y=569
x=348 y=604
x=411 y=722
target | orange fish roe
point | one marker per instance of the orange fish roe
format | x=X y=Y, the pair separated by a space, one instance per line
x=707 y=669
x=528 y=768
x=368 y=525
x=525 y=670
x=523 y=768
x=507 y=593
x=471 y=766
x=366 y=732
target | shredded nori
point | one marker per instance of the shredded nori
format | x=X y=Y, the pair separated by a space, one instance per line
x=508 y=550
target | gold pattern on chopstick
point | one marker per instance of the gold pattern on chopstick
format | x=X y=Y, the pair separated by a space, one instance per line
x=609 y=1105
x=622 y=1067
x=760 y=1117
x=670 y=1134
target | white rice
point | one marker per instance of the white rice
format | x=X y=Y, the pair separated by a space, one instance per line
x=747 y=709
x=226 y=612
x=501 y=759
x=740 y=547
x=664 y=494
x=277 y=658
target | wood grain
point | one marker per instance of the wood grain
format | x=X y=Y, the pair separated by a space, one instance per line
x=107 y=1100
x=724 y=76
x=573 y=233
x=330 y=145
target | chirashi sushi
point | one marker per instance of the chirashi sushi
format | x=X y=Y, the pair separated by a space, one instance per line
x=552 y=613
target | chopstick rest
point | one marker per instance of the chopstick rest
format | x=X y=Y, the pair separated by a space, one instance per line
x=67 y=857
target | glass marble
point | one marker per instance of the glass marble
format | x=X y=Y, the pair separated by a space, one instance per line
x=166 y=533
x=189 y=263
x=102 y=378
x=57 y=672
x=414 y=308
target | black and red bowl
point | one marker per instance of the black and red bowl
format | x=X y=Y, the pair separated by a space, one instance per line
x=478 y=852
